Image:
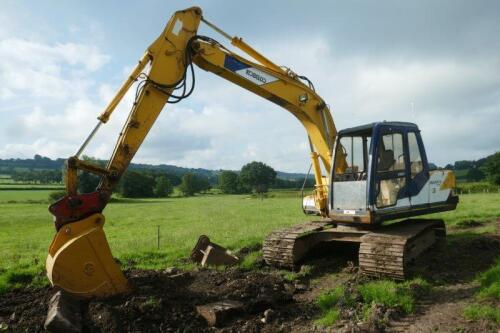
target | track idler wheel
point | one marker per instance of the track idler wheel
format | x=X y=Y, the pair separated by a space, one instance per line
x=80 y=260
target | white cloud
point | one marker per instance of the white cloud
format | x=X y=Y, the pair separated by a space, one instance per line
x=59 y=71
x=222 y=126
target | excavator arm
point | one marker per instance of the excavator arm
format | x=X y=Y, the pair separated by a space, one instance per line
x=79 y=259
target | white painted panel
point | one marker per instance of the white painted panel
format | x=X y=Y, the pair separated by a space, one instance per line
x=435 y=193
x=422 y=197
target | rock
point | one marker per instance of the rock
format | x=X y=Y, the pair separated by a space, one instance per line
x=268 y=316
x=289 y=288
x=170 y=270
x=216 y=313
x=363 y=326
x=180 y=276
x=300 y=287
x=64 y=314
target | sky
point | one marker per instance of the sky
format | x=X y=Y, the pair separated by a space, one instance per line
x=434 y=63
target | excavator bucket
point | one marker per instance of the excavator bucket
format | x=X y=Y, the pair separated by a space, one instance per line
x=80 y=260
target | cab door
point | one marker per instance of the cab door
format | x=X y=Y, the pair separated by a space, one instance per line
x=418 y=186
x=391 y=176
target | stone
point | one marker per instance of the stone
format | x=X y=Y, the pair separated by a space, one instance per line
x=170 y=270
x=289 y=288
x=268 y=316
x=64 y=314
x=216 y=313
x=300 y=287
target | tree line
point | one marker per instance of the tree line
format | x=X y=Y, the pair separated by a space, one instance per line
x=254 y=177
x=487 y=168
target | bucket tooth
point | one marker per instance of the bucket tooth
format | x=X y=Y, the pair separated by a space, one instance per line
x=80 y=260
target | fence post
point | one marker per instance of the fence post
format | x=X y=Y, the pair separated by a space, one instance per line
x=158 y=238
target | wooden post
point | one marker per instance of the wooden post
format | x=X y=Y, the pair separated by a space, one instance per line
x=158 y=233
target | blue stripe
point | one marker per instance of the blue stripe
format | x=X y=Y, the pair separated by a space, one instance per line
x=234 y=64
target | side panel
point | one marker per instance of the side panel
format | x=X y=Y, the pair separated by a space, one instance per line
x=438 y=192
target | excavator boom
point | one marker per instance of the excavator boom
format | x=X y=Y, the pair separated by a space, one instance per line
x=80 y=260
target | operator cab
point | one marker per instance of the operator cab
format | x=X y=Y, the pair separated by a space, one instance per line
x=385 y=175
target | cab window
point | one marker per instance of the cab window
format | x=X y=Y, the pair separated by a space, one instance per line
x=390 y=154
x=416 y=165
x=391 y=176
x=354 y=151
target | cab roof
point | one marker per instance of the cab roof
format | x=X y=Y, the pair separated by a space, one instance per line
x=368 y=128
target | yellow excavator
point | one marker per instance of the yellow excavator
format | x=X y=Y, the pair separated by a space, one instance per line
x=378 y=172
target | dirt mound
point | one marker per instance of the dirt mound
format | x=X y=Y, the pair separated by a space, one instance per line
x=165 y=301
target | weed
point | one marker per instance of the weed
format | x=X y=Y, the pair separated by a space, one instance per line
x=490 y=283
x=329 y=318
x=289 y=275
x=489 y=291
x=152 y=302
x=328 y=300
x=362 y=299
x=388 y=293
x=476 y=311
x=251 y=260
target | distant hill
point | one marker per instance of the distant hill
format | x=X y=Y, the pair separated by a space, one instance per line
x=8 y=166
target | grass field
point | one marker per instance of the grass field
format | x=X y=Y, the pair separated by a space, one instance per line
x=235 y=221
x=24 y=196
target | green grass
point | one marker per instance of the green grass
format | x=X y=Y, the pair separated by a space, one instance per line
x=23 y=273
x=481 y=206
x=251 y=260
x=477 y=311
x=32 y=187
x=234 y=221
x=390 y=294
x=490 y=283
x=329 y=318
x=329 y=299
x=24 y=196
x=487 y=297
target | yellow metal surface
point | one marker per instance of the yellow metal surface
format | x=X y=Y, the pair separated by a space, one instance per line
x=449 y=181
x=80 y=260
